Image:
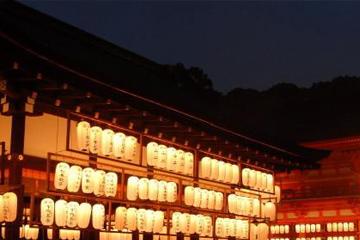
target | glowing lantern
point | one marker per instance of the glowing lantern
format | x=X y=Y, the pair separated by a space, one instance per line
x=149 y=220
x=205 y=167
x=258 y=180
x=152 y=153
x=153 y=189
x=76 y=234
x=158 y=221
x=175 y=219
x=61 y=175
x=87 y=180
x=83 y=135
x=235 y=174
x=107 y=142
x=297 y=228
x=281 y=229
x=143 y=188
x=74 y=179
x=84 y=214
x=270 y=210
x=192 y=224
x=180 y=161
x=49 y=233
x=132 y=188
x=252 y=178
x=228 y=173
x=277 y=193
x=340 y=227
x=130 y=148
x=98 y=216
x=118 y=145
x=95 y=139
x=99 y=182
x=189 y=195
x=263 y=231
x=329 y=227
x=256 y=207
x=63 y=234
x=72 y=214
x=351 y=227
x=287 y=230
x=10 y=206
x=60 y=213
x=171 y=192
x=111 y=180
x=197 y=197
x=346 y=227
x=219 y=227
x=263 y=181
x=218 y=200
x=232 y=203
x=211 y=200
x=171 y=159
x=302 y=228
x=334 y=227
x=162 y=195
x=184 y=222
x=214 y=169
x=33 y=233
x=222 y=171
x=189 y=163
x=204 y=198
x=207 y=226
x=199 y=226
x=312 y=228
x=245 y=176
x=47 y=211
x=162 y=160
x=270 y=182
x=131 y=219
x=140 y=219
x=120 y=218
x=1 y=208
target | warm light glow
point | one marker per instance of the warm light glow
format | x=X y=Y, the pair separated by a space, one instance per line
x=61 y=175
x=47 y=211
x=84 y=214
x=98 y=216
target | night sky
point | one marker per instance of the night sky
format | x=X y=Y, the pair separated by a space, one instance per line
x=239 y=44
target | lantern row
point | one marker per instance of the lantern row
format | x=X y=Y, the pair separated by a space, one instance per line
x=280 y=229
x=190 y=223
x=106 y=142
x=169 y=158
x=114 y=236
x=307 y=228
x=312 y=238
x=8 y=207
x=203 y=198
x=259 y=231
x=258 y=180
x=243 y=205
x=151 y=189
x=342 y=238
x=340 y=227
x=220 y=171
x=227 y=227
x=91 y=181
x=25 y=231
x=71 y=214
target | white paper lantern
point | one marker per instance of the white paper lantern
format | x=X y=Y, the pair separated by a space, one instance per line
x=189 y=195
x=219 y=227
x=218 y=200
x=34 y=233
x=111 y=180
x=131 y=219
x=222 y=171
x=158 y=221
x=263 y=181
x=171 y=159
x=258 y=180
x=346 y=227
x=95 y=139
x=351 y=227
x=211 y=200
x=205 y=165
x=256 y=207
x=184 y=223
x=63 y=234
x=98 y=216
x=270 y=182
x=143 y=188
x=297 y=228
x=199 y=226
x=277 y=193
x=192 y=225
x=263 y=231
x=76 y=234
x=189 y=164
x=162 y=195
x=312 y=228
x=72 y=214
x=130 y=148
x=87 y=180
x=153 y=189
x=162 y=160
x=245 y=176
x=197 y=197
x=60 y=213
x=207 y=226
x=287 y=230
x=99 y=183
x=84 y=214
x=204 y=198
x=47 y=211
x=334 y=227
x=232 y=203
x=83 y=135
x=74 y=178
x=175 y=220
x=120 y=218
x=214 y=169
x=171 y=192
x=252 y=178
x=118 y=145
x=10 y=206
x=235 y=174
x=61 y=175
x=180 y=161
x=152 y=153
x=49 y=233
x=270 y=210
x=132 y=188
x=149 y=220
x=140 y=219
x=107 y=142
x=228 y=173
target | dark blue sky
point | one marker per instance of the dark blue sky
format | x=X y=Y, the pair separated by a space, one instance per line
x=239 y=44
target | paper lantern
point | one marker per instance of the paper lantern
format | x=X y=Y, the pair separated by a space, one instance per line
x=76 y=234
x=231 y=228
x=171 y=192
x=107 y=142
x=180 y=161
x=211 y=200
x=175 y=220
x=140 y=219
x=270 y=182
x=99 y=183
x=153 y=189
x=252 y=178
x=189 y=164
x=132 y=188
x=184 y=223
x=130 y=148
x=205 y=165
x=329 y=227
x=214 y=169
x=143 y=188
x=10 y=206
x=270 y=211
x=47 y=211
x=263 y=181
x=235 y=174
x=1 y=208
x=219 y=227
x=281 y=229
x=158 y=221
x=171 y=159
x=277 y=193
x=189 y=195
x=287 y=230
x=87 y=180
x=340 y=227
x=152 y=153
x=60 y=213
x=204 y=198
x=207 y=226
x=256 y=207
x=192 y=224
x=83 y=135
x=111 y=180
x=95 y=139
x=61 y=175
x=245 y=176
x=302 y=228
x=263 y=231
x=162 y=160
x=34 y=233
x=84 y=213
x=222 y=171
x=351 y=227
x=118 y=144
x=131 y=219
x=74 y=178
x=72 y=214
x=149 y=220
x=98 y=216
x=228 y=173
x=120 y=218
x=218 y=200
x=49 y=233
x=162 y=195
x=346 y=227
x=197 y=197
x=297 y=228
x=232 y=203
x=258 y=180
x=312 y=228
x=199 y=226
x=334 y=227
